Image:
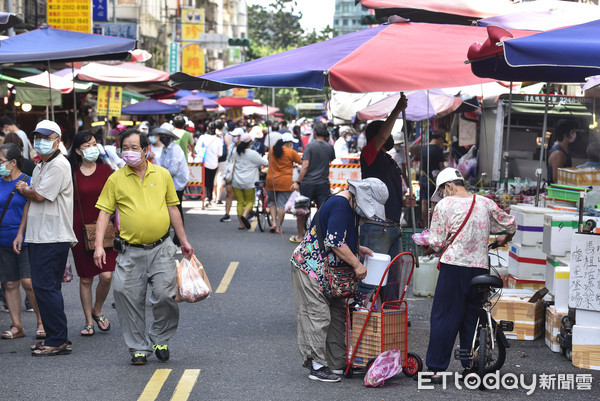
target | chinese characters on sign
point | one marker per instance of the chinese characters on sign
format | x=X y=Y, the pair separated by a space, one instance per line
x=584 y=280
x=192 y=25
x=110 y=97
x=339 y=174
x=100 y=10
x=71 y=15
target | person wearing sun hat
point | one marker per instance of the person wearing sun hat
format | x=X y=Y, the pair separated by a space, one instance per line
x=460 y=227
x=48 y=228
x=321 y=318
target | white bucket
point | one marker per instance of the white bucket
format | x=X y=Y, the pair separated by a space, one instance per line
x=425 y=277
x=376 y=266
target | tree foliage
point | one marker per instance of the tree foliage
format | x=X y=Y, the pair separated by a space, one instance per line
x=275 y=29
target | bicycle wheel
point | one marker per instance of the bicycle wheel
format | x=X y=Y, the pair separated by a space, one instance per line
x=260 y=214
x=493 y=359
x=482 y=352
x=266 y=211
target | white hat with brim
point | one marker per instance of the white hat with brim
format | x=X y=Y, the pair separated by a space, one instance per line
x=448 y=174
x=47 y=127
x=288 y=137
x=371 y=194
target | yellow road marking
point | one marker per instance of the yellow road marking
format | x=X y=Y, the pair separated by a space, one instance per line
x=227 y=277
x=154 y=385
x=253 y=224
x=185 y=385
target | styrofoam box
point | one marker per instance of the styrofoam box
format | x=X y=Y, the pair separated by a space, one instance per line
x=588 y=318
x=530 y=223
x=527 y=262
x=552 y=262
x=561 y=288
x=558 y=230
x=586 y=347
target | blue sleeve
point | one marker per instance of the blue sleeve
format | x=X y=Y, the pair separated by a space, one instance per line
x=339 y=224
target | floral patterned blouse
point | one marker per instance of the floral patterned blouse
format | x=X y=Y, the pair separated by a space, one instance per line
x=339 y=229
x=470 y=248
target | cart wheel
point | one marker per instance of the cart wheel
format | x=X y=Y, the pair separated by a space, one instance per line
x=348 y=374
x=569 y=354
x=414 y=365
x=565 y=320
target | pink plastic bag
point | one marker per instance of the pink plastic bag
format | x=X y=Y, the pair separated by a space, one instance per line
x=388 y=364
x=192 y=282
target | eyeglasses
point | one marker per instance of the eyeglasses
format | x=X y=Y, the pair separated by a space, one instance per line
x=5 y=161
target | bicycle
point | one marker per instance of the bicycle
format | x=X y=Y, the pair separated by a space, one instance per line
x=488 y=349
x=262 y=214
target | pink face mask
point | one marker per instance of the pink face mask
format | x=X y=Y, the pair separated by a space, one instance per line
x=132 y=158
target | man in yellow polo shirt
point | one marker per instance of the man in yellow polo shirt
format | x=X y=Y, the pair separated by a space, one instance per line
x=145 y=196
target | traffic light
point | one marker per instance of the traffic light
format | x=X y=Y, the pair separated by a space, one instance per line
x=367 y=19
x=244 y=42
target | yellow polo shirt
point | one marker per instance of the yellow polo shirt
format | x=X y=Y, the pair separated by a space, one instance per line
x=143 y=214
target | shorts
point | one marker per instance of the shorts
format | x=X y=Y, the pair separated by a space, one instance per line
x=279 y=197
x=219 y=175
x=316 y=192
x=14 y=267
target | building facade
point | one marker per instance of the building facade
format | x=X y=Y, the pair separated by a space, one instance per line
x=346 y=17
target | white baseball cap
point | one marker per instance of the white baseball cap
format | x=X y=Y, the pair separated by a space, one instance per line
x=47 y=127
x=446 y=175
x=288 y=137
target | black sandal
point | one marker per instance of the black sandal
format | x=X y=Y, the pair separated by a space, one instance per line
x=90 y=330
x=63 y=349
x=103 y=320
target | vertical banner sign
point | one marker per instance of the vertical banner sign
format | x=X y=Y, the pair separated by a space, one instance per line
x=71 y=15
x=192 y=25
x=100 y=10
x=109 y=97
x=173 y=57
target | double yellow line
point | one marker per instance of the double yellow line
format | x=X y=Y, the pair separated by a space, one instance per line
x=182 y=391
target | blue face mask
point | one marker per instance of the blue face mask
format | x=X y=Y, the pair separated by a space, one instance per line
x=43 y=146
x=152 y=139
x=91 y=154
x=3 y=171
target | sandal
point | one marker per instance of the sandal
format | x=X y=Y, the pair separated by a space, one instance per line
x=10 y=334
x=103 y=320
x=88 y=330
x=272 y=229
x=63 y=349
x=295 y=239
x=245 y=222
x=38 y=345
x=40 y=334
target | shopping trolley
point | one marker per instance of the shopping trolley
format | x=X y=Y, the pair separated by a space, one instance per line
x=379 y=322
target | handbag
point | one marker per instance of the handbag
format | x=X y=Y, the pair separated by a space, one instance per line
x=340 y=280
x=89 y=230
x=457 y=232
x=229 y=169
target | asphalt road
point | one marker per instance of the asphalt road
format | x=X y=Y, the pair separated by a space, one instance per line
x=240 y=344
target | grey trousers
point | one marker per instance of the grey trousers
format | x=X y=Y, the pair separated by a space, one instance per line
x=137 y=268
x=321 y=323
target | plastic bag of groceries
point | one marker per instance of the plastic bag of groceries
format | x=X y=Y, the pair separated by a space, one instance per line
x=192 y=282
x=387 y=365
x=289 y=205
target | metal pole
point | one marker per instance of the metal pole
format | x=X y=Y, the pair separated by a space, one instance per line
x=544 y=129
x=507 y=153
x=410 y=191
x=74 y=97
x=50 y=90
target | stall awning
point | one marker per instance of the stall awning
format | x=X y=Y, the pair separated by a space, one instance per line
x=38 y=96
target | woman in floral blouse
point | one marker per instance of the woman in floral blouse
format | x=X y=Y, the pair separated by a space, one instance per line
x=321 y=319
x=455 y=306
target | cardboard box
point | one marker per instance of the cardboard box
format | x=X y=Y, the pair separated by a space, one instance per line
x=530 y=223
x=384 y=331
x=553 y=323
x=528 y=317
x=578 y=177
x=518 y=283
x=558 y=231
x=586 y=347
x=527 y=262
x=590 y=318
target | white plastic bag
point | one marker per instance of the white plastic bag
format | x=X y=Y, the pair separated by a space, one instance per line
x=387 y=365
x=192 y=282
x=289 y=205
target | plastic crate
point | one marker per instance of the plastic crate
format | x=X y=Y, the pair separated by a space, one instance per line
x=565 y=193
x=407 y=244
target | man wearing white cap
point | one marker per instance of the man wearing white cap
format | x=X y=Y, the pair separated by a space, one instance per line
x=48 y=224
